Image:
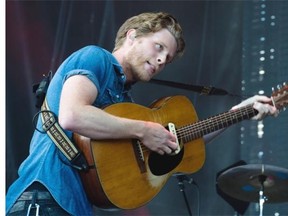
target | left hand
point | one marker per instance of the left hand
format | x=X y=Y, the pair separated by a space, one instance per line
x=262 y=104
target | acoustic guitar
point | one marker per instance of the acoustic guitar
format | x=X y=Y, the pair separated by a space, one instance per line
x=127 y=175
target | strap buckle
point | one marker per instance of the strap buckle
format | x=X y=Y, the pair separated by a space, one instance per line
x=50 y=121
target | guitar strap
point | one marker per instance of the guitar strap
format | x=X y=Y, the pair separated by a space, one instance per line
x=203 y=90
x=64 y=144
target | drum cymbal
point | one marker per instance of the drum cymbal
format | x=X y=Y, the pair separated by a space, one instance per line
x=245 y=182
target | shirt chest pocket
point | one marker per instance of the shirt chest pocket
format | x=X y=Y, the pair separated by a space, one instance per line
x=109 y=97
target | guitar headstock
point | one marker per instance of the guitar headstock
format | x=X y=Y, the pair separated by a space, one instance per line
x=280 y=96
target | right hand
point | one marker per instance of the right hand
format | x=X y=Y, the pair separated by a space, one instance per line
x=157 y=138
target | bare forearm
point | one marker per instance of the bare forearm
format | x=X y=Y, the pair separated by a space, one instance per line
x=98 y=124
x=78 y=115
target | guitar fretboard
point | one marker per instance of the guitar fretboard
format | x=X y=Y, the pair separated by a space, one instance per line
x=199 y=129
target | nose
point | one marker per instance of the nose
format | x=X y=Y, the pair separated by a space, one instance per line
x=161 y=59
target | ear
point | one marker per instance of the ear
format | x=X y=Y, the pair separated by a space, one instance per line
x=131 y=35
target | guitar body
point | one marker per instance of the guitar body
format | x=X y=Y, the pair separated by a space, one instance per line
x=126 y=173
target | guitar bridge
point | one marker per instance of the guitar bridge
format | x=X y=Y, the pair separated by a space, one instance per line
x=172 y=129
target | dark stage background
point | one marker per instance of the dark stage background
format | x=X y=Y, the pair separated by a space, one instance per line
x=240 y=46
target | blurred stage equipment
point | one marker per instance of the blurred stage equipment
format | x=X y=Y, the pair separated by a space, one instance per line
x=256 y=183
x=182 y=178
x=239 y=206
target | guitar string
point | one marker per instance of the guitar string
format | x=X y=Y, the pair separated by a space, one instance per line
x=208 y=126
x=196 y=130
x=199 y=129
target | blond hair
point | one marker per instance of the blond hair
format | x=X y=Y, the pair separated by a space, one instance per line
x=146 y=23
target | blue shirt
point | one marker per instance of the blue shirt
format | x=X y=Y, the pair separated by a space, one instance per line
x=45 y=162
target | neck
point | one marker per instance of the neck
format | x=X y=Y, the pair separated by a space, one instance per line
x=119 y=55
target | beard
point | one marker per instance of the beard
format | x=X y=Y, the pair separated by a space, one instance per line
x=135 y=62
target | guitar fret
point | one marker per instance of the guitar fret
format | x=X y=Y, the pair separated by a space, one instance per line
x=113 y=165
x=206 y=126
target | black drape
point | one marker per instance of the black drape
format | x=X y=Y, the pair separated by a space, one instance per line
x=40 y=34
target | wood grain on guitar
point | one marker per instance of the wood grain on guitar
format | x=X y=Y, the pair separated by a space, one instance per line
x=127 y=175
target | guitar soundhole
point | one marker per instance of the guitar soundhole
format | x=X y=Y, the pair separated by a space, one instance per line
x=163 y=164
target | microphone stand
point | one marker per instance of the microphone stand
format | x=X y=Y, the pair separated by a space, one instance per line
x=181 y=178
x=262 y=198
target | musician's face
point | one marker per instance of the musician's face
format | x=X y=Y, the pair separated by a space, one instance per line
x=149 y=54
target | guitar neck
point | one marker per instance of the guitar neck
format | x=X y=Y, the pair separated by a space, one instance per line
x=214 y=123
